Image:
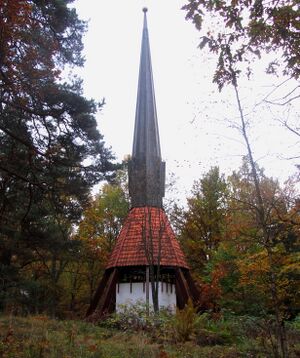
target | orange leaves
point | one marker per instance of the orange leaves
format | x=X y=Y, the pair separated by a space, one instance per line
x=210 y=293
x=245 y=265
x=13 y=15
x=14 y=18
x=29 y=48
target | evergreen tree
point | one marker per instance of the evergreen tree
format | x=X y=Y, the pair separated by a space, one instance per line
x=51 y=152
x=202 y=224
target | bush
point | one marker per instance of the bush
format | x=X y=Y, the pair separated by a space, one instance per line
x=184 y=323
x=136 y=318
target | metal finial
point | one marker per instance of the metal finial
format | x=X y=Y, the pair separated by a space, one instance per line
x=145 y=9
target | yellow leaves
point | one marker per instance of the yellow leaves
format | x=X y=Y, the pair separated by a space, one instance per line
x=254 y=269
x=268 y=270
x=102 y=222
x=291 y=264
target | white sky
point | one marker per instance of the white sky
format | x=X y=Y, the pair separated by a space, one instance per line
x=191 y=112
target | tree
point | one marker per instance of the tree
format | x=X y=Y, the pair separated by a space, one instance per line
x=202 y=224
x=201 y=229
x=104 y=217
x=97 y=232
x=266 y=231
x=220 y=280
x=246 y=29
x=246 y=270
x=265 y=267
x=250 y=28
x=51 y=152
x=153 y=229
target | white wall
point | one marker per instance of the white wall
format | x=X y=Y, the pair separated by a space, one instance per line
x=137 y=294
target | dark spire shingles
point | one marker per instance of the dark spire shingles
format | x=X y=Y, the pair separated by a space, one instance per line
x=146 y=169
x=146 y=136
x=146 y=223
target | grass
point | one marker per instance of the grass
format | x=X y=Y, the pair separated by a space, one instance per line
x=40 y=336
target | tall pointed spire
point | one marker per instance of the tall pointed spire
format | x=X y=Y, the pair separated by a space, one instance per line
x=146 y=136
x=146 y=242
x=146 y=170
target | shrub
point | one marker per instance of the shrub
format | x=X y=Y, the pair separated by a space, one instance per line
x=184 y=322
x=136 y=318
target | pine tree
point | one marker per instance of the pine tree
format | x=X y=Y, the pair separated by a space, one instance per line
x=51 y=152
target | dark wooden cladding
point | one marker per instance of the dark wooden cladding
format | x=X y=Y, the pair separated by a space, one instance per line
x=195 y=294
x=109 y=296
x=105 y=297
x=99 y=292
x=182 y=292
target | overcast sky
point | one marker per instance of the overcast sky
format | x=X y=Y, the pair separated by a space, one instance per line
x=194 y=119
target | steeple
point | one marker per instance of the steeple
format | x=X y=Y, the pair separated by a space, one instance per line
x=146 y=169
x=146 y=244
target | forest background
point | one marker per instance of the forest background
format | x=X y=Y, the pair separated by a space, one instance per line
x=240 y=232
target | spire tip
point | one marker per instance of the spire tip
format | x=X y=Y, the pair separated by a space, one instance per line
x=145 y=10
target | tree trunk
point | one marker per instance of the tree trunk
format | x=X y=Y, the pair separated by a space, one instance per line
x=262 y=224
x=147 y=290
x=154 y=288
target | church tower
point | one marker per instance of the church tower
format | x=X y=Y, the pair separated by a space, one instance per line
x=147 y=264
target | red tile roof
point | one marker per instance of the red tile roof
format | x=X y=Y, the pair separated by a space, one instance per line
x=144 y=231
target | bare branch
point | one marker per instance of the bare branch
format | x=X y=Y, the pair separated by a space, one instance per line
x=283 y=103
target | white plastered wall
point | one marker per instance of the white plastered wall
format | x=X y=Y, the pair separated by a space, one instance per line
x=131 y=294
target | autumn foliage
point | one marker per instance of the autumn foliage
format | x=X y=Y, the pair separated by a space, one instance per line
x=235 y=273
x=51 y=151
x=246 y=30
